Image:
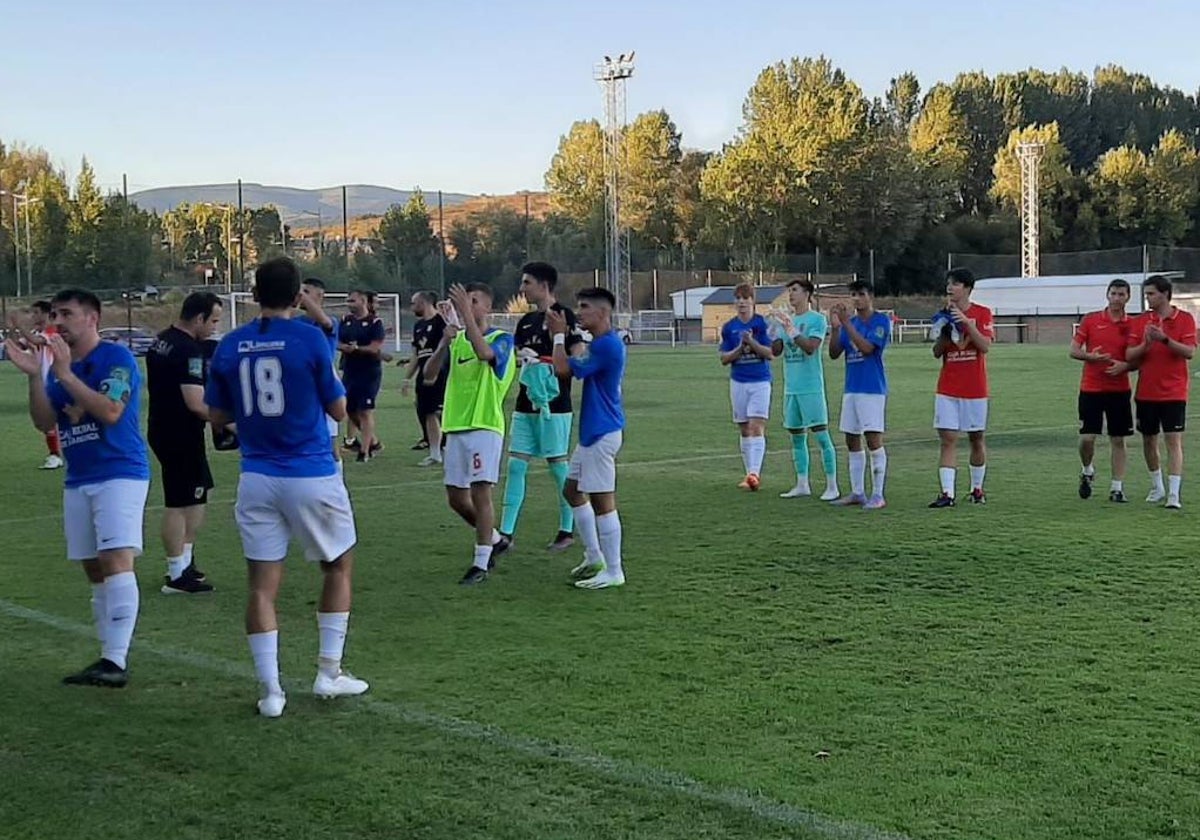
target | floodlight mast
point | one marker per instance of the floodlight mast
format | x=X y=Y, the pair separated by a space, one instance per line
x=612 y=75
x=1030 y=157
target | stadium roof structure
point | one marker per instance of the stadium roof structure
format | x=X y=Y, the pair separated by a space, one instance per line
x=723 y=295
x=1065 y=294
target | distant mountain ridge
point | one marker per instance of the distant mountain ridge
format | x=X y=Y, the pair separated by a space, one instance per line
x=361 y=199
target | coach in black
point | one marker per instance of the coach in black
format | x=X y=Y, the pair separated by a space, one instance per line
x=175 y=369
x=360 y=339
x=427 y=335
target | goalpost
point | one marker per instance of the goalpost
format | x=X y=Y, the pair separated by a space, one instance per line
x=242 y=309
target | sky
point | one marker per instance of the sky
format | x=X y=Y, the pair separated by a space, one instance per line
x=473 y=96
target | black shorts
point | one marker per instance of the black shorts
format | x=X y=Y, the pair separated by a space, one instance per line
x=186 y=478
x=1154 y=416
x=362 y=389
x=430 y=397
x=1111 y=409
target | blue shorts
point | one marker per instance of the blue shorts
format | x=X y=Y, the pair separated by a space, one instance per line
x=362 y=389
x=803 y=411
x=540 y=437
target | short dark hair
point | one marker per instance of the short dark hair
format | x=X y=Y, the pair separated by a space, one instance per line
x=198 y=303
x=315 y=281
x=276 y=283
x=1159 y=283
x=80 y=296
x=596 y=293
x=803 y=283
x=961 y=275
x=482 y=288
x=427 y=296
x=860 y=286
x=42 y=306
x=1119 y=283
x=542 y=272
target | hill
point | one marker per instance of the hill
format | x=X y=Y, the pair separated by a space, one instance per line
x=367 y=226
x=361 y=199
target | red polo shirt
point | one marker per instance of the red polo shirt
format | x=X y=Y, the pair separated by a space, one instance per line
x=1099 y=333
x=1163 y=374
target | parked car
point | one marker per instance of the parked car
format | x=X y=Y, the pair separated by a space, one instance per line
x=138 y=339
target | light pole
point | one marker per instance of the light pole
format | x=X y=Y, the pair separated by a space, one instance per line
x=26 y=200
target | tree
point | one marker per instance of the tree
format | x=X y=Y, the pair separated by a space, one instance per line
x=652 y=155
x=903 y=101
x=575 y=178
x=940 y=141
x=408 y=240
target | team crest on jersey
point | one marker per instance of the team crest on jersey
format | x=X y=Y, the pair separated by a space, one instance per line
x=196 y=367
x=117 y=386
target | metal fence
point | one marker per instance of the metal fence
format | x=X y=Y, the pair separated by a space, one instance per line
x=1146 y=258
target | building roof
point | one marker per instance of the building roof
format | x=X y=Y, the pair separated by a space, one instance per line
x=723 y=295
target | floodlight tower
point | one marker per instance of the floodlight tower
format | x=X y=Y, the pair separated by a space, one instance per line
x=611 y=74
x=1030 y=156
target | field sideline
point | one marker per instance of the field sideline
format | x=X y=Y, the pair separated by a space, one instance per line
x=773 y=668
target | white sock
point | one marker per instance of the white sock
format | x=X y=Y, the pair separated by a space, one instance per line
x=121 y=601
x=585 y=524
x=495 y=536
x=176 y=565
x=946 y=476
x=483 y=553
x=1173 y=482
x=608 y=526
x=187 y=552
x=1089 y=470
x=977 y=474
x=1156 y=480
x=264 y=648
x=744 y=444
x=331 y=629
x=858 y=472
x=99 y=610
x=758 y=450
x=878 y=471
x=1118 y=486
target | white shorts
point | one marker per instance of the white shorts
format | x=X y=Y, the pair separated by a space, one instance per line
x=271 y=510
x=957 y=414
x=105 y=516
x=331 y=426
x=473 y=457
x=863 y=413
x=750 y=399
x=594 y=468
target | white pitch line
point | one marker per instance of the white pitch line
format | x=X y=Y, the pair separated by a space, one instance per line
x=625 y=772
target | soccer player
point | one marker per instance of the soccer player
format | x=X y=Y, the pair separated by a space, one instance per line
x=275 y=378
x=312 y=302
x=799 y=340
x=175 y=432
x=961 y=401
x=862 y=337
x=40 y=329
x=427 y=335
x=1104 y=395
x=746 y=348
x=1161 y=342
x=92 y=394
x=361 y=336
x=536 y=433
x=591 y=486
x=481 y=370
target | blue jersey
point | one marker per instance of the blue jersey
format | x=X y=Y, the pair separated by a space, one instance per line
x=864 y=374
x=275 y=377
x=601 y=368
x=748 y=367
x=93 y=451
x=331 y=336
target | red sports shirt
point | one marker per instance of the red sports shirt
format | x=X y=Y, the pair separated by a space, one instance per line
x=1099 y=333
x=1163 y=375
x=964 y=368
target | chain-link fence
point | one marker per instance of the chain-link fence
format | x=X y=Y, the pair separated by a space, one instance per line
x=1145 y=258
